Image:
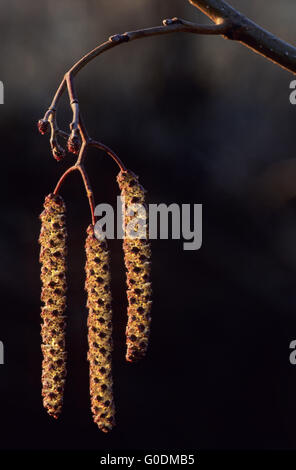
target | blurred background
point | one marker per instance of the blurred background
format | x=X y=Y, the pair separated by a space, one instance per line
x=201 y=120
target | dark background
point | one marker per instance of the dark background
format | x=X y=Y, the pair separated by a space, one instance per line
x=201 y=120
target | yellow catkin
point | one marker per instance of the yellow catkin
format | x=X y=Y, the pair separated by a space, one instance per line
x=99 y=331
x=53 y=237
x=137 y=256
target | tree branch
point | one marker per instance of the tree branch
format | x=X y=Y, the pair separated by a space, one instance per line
x=174 y=25
x=248 y=33
x=228 y=22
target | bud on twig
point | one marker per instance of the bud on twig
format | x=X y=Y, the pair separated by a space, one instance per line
x=43 y=126
x=74 y=143
x=58 y=153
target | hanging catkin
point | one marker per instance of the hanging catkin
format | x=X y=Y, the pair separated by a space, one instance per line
x=99 y=330
x=53 y=251
x=137 y=256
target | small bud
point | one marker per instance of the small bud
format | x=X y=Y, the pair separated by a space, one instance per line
x=43 y=126
x=73 y=144
x=170 y=21
x=58 y=153
x=119 y=38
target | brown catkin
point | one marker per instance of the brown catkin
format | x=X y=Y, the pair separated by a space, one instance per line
x=99 y=331
x=53 y=237
x=137 y=256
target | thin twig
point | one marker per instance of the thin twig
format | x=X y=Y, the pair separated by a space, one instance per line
x=83 y=131
x=108 y=151
x=63 y=177
x=88 y=191
x=228 y=22
x=174 y=25
x=87 y=186
x=73 y=102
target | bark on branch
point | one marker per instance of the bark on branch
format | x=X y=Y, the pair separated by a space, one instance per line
x=248 y=33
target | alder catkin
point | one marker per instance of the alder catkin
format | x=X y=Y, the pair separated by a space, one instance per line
x=53 y=237
x=99 y=331
x=137 y=256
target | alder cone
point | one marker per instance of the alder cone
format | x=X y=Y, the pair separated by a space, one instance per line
x=53 y=238
x=137 y=257
x=99 y=331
